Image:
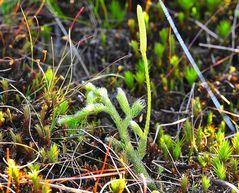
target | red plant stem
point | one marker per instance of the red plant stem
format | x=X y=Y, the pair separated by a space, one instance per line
x=77 y=15
x=103 y=167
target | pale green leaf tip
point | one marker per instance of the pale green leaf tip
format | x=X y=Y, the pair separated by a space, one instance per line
x=142 y=30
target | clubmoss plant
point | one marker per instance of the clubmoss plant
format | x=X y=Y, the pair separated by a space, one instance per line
x=98 y=101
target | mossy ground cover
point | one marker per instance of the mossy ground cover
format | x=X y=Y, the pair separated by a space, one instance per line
x=74 y=108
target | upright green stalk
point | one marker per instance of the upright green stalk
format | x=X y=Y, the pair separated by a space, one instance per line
x=143 y=49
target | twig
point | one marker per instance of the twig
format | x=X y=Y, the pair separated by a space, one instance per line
x=225 y=183
x=219 y=47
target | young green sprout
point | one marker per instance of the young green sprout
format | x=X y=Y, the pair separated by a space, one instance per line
x=53 y=153
x=184 y=183
x=118 y=185
x=235 y=143
x=224 y=28
x=135 y=46
x=224 y=151
x=205 y=183
x=2 y=119
x=190 y=75
x=129 y=79
x=219 y=169
x=34 y=177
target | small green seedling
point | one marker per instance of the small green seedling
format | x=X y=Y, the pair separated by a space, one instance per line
x=103 y=39
x=159 y=51
x=166 y=144
x=163 y=34
x=61 y=109
x=224 y=151
x=184 y=183
x=177 y=149
x=224 y=28
x=213 y=4
x=117 y=13
x=235 y=143
x=46 y=33
x=220 y=135
x=233 y=164
x=129 y=79
x=206 y=183
x=190 y=75
x=209 y=118
x=219 y=169
x=186 y=5
x=2 y=119
x=134 y=44
x=5 y=88
x=118 y=185
x=13 y=172
x=140 y=78
x=200 y=139
x=181 y=18
x=197 y=106
x=53 y=153
x=132 y=25
x=34 y=177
